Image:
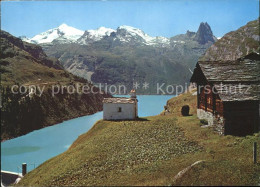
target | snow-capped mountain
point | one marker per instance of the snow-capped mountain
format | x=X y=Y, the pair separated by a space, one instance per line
x=91 y=36
x=123 y=34
x=63 y=33
x=121 y=55
x=127 y=33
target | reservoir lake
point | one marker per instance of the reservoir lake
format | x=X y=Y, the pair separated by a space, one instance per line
x=38 y=146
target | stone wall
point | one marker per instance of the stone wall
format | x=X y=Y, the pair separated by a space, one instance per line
x=202 y=114
x=217 y=122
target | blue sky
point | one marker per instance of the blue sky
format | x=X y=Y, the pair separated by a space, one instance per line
x=156 y=18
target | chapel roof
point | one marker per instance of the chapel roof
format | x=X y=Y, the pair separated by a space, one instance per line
x=119 y=100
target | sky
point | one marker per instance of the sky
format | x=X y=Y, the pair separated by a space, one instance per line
x=156 y=17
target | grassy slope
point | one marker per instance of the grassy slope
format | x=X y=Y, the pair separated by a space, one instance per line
x=152 y=152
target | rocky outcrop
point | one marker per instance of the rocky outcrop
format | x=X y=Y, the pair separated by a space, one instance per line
x=204 y=34
x=235 y=44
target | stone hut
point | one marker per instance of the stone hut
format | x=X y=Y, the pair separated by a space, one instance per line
x=120 y=108
x=228 y=94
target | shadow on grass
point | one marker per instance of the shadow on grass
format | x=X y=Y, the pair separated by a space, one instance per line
x=137 y=119
x=141 y=119
x=187 y=115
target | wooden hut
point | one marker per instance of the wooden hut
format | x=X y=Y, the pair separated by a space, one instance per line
x=228 y=94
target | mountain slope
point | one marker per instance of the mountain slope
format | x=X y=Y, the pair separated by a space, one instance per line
x=24 y=109
x=235 y=44
x=129 y=55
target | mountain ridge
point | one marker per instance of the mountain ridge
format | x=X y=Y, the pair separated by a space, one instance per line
x=92 y=35
x=129 y=55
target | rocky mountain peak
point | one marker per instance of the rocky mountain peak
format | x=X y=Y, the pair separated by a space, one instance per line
x=204 y=34
x=62 y=33
x=235 y=44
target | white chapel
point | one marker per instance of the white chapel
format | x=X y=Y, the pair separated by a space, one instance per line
x=120 y=108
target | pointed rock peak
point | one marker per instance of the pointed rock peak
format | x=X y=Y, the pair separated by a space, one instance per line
x=204 y=27
x=204 y=34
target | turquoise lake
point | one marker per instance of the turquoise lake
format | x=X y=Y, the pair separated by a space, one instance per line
x=38 y=146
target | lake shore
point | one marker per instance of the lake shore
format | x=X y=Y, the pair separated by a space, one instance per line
x=55 y=139
x=58 y=121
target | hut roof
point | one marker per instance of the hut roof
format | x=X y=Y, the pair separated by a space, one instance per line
x=238 y=92
x=234 y=80
x=231 y=71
